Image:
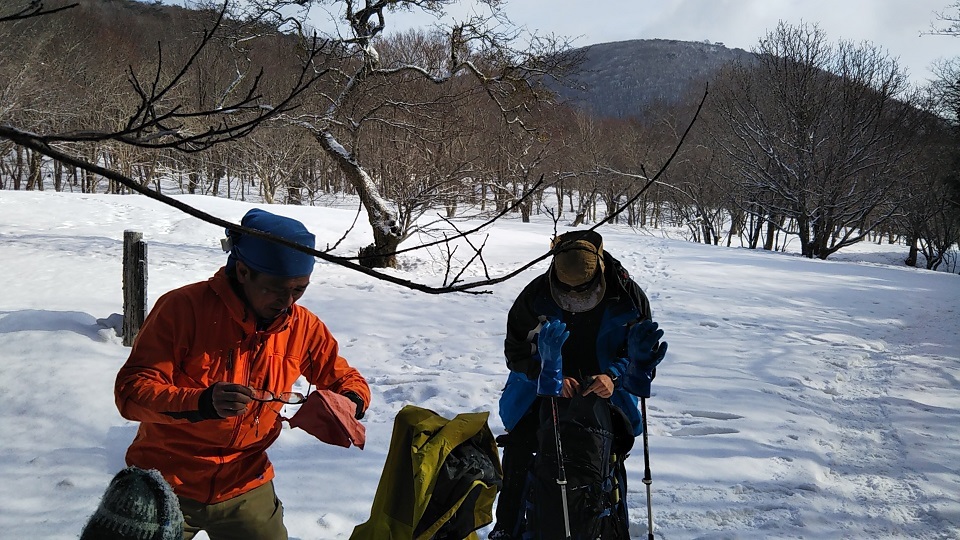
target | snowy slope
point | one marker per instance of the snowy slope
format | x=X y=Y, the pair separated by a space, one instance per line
x=799 y=398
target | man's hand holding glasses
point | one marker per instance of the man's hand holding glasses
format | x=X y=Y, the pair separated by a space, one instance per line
x=230 y=399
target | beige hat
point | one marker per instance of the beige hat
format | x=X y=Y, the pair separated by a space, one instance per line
x=577 y=282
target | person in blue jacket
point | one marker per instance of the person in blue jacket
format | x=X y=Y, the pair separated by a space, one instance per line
x=586 y=309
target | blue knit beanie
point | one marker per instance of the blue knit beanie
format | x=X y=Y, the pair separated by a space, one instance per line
x=137 y=505
x=267 y=256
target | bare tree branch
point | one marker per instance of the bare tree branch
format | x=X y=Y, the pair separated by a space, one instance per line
x=950 y=22
x=34 y=8
x=656 y=177
x=156 y=125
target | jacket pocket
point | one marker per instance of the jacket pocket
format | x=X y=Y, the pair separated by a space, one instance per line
x=200 y=371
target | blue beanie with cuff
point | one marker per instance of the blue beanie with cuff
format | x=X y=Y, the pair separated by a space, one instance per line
x=267 y=256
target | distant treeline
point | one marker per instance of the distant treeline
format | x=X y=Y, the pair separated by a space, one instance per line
x=823 y=142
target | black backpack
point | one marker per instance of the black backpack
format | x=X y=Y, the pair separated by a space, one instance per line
x=467 y=463
x=594 y=440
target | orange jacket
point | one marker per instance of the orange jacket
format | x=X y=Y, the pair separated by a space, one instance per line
x=201 y=334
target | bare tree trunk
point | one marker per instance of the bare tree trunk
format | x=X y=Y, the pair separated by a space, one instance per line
x=768 y=242
x=383 y=220
x=193 y=180
x=34 y=179
x=381 y=253
x=294 y=196
x=912 y=256
x=558 y=191
x=57 y=176
x=89 y=180
x=268 y=189
x=525 y=211
x=18 y=169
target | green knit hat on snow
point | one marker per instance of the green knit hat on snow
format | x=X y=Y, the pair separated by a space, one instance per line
x=138 y=505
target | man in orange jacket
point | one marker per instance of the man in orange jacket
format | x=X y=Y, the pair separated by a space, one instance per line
x=210 y=370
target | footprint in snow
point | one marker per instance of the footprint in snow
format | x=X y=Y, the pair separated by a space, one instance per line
x=692 y=429
x=713 y=415
x=703 y=430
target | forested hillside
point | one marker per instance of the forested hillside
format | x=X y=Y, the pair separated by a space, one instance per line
x=824 y=150
x=629 y=78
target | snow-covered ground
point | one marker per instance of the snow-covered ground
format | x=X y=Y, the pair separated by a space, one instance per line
x=799 y=398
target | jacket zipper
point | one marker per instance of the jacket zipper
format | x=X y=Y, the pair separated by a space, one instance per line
x=256 y=359
x=229 y=375
x=260 y=347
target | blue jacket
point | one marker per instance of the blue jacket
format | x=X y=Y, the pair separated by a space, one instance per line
x=623 y=305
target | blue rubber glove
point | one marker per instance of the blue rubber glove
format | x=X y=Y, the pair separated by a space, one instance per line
x=645 y=353
x=549 y=342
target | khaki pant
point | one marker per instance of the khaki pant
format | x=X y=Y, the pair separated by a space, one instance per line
x=255 y=515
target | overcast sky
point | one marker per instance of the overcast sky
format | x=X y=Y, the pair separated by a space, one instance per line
x=892 y=24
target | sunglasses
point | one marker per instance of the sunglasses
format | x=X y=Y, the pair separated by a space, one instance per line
x=290 y=398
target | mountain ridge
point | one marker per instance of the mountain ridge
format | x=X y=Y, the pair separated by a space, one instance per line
x=624 y=79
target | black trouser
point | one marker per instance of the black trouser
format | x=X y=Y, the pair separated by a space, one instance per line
x=519 y=446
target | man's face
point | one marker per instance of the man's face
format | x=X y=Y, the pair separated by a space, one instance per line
x=269 y=296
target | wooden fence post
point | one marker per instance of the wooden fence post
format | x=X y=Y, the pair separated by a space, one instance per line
x=134 y=285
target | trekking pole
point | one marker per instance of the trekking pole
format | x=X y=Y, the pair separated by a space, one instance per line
x=561 y=473
x=647 y=480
